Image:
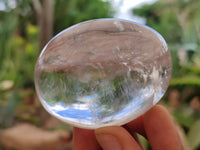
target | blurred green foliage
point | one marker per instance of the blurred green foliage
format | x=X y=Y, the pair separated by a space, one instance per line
x=176 y=20
x=70 y=12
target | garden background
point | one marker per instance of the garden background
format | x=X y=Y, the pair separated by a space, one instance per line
x=27 y=25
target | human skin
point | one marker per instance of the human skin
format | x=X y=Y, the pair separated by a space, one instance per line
x=156 y=126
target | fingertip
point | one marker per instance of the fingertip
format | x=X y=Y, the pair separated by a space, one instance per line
x=156 y=110
x=106 y=138
x=115 y=138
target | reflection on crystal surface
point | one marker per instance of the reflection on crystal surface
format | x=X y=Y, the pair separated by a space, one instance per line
x=102 y=72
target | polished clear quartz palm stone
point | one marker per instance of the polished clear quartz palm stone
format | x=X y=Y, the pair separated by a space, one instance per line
x=103 y=72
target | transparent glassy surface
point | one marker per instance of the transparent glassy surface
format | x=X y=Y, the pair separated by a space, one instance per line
x=102 y=72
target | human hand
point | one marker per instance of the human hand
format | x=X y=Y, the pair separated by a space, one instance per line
x=156 y=125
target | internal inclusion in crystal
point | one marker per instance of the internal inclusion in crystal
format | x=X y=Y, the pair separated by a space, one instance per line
x=103 y=72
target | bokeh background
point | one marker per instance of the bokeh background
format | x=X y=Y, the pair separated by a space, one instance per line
x=27 y=25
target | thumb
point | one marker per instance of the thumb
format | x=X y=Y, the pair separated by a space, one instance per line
x=115 y=138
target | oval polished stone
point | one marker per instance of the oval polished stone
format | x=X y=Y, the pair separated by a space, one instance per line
x=103 y=72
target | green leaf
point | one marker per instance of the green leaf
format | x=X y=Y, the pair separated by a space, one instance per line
x=193 y=80
x=143 y=141
x=194 y=135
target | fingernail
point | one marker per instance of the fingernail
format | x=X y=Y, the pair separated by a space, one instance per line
x=108 y=142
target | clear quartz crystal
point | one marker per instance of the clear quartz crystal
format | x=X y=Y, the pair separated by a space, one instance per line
x=103 y=72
